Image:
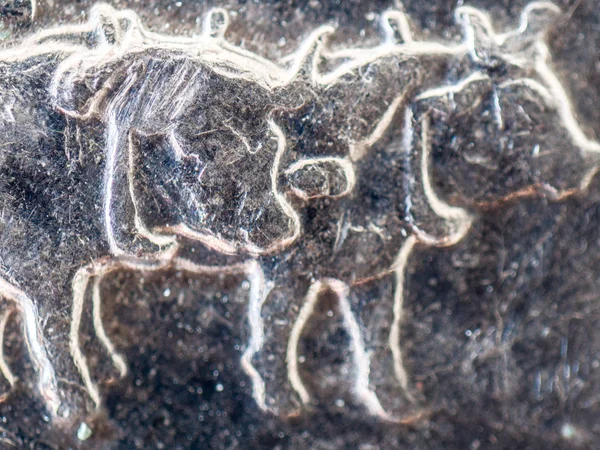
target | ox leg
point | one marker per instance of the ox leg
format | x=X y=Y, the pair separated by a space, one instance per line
x=258 y=293
x=80 y=286
x=360 y=358
x=94 y=274
x=34 y=341
x=383 y=314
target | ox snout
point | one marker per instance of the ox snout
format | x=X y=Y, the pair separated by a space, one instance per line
x=320 y=177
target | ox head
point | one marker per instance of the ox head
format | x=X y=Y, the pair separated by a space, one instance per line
x=505 y=127
x=192 y=144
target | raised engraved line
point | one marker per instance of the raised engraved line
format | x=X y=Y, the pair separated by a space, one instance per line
x=360 y=357
x=116 y=358
x=258 y=294
x=312 y=296
x=35 y=343
x=4 y=368
x=452 y=88
x=563 y=104
x=399 y=267
x=345 y=165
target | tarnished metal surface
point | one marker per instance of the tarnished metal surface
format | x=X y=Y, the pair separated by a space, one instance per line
x=356 y=225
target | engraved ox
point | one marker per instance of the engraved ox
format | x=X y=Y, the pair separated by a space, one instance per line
x=202 y=145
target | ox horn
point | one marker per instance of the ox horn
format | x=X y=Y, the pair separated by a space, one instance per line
x=306 y=60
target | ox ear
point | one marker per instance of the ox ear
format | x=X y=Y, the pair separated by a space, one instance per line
x=536 y=19
x=480 y=34
x=215 y=23
x=105 y=21
x=477 y=26
x=396 y=27
x=321 y=177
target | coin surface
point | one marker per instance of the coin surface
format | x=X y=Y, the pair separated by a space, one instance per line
x=325 y=225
